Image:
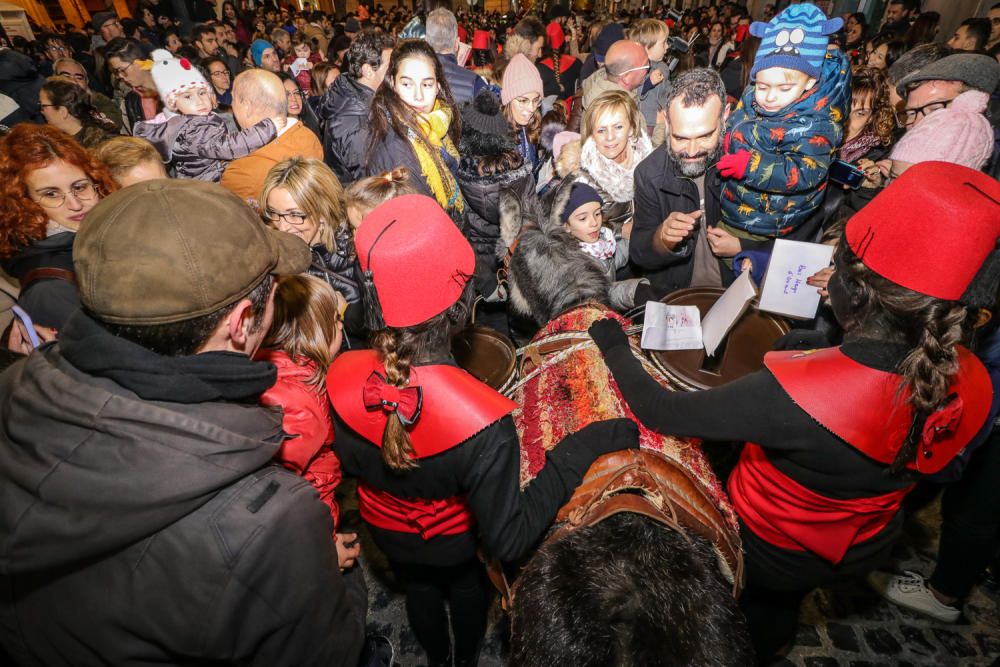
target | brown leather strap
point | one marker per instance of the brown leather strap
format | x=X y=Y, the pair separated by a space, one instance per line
x=46 y=273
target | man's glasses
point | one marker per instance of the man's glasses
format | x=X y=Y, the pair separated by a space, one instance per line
x=70 y=75
x=82 y=190
x=119 y=71
x=908 y=117
x=219 y=73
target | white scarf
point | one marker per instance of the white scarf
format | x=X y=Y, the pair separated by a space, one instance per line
x=606 y=175
x=604 y=247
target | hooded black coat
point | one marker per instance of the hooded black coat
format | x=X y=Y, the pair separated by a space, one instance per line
x=343 y=115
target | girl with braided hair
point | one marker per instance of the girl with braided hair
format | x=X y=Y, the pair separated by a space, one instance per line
x=837 y=437
x=435 y=451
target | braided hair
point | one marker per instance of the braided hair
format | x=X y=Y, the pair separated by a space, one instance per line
x=399 y=349
x=930 y=327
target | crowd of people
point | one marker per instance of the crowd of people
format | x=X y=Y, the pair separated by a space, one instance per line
x=238 y=239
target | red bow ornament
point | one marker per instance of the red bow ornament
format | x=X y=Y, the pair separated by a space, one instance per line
x=404 y=402
x=942 y=423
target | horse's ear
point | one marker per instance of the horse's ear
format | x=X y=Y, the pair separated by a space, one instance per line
x=511 y=220
x=559 y=201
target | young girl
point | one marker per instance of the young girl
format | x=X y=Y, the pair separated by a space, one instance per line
x=364 y=195
x=303 y=339
x=188 y=134
x=301 y=60
x=583 y=219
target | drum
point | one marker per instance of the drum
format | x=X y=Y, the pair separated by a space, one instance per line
x=487 y=355
x=740 y=353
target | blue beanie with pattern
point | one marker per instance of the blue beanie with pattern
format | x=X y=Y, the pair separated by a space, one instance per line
x=794 y=39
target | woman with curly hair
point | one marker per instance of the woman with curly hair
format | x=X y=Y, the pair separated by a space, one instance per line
x=48 y=183
x=67 y=106
x=870 y=125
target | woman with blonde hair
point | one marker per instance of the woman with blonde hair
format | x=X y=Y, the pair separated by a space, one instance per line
x=301 y=196
x=614 y=143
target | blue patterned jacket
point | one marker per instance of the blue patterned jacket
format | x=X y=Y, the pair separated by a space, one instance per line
x=790 y=153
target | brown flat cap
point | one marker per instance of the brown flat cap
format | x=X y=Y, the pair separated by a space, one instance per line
x=170 y=250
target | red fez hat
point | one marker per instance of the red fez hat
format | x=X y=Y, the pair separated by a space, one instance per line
x=415 y=261
x=556 y=35
x=481 y=39
x=931 y=230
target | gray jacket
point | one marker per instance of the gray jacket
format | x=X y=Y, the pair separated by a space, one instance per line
x=200 y=147
x=654 y=99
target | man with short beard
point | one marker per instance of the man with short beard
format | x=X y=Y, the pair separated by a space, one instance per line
x=677 y=190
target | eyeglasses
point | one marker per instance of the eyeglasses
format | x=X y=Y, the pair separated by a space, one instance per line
x=532 y=102
x=219 y=73
x=634 y=69
x=908 y=117
x=293 y=218
x=83 y=191
x=56 y=47
x=119 y=71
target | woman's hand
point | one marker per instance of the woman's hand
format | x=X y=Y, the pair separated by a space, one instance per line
x=875 y=172
x=347 y=555
x=723 y=243
x=821 y=279
x=607 y=333
x=20 y=341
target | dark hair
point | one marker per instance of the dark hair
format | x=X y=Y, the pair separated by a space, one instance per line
x=626 y=591
x=166 y=33
x=695 y=87
x=931 y=328
x=908 y=5
x=895 y=47
x=126 y=50
x=202 y=29
x=923 y=30
x=399 y=349
x=365 y=49
x=979 y=29
x=863 y=21
x=530 y=28
x=182 y=339
x=62 y=92
x=391 y=114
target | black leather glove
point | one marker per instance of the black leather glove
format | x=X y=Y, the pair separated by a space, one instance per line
x=802 y=339
x=607 y=436
x=608 y=334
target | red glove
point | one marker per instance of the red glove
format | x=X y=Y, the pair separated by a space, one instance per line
x=735 y=165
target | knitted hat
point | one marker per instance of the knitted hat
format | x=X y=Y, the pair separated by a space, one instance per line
x=520 y=78
x=258 y=48
x=973 y=69
x=414 y=260
x=580 y=194
x=481 y=39
x=556 y=35
x=959 y=134
x=174 y=75
x=483 y=114
x=932 y=230
x=794 y=39
x=611 y=33
x=561 y=140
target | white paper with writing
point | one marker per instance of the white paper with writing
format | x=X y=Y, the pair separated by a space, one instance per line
x=723 y=315
x=671 y=327
x=785 y=291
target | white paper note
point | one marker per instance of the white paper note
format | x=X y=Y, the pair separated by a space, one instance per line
x=785 y=291
x=671 y=327
x=726 y=311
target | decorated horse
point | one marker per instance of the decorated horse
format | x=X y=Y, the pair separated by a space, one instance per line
x=643 y=565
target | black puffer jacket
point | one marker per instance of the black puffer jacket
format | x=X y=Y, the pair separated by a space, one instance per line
x=343 y=114
x=337 y=267
x=20 y=80
x=201 y=147
x=482 y=197
x=49 y=300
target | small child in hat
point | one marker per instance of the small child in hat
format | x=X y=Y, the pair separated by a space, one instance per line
x=784 y=131
x=189 y=135
x=583 y=220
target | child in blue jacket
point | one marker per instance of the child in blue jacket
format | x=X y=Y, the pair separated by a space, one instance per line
x=784 y=132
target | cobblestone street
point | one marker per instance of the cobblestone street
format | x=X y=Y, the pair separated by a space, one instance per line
x=845 y=627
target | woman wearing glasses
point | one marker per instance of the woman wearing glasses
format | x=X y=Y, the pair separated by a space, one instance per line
x=302 y=196
x=48 y=183
x=521 y=95
x=297 y=106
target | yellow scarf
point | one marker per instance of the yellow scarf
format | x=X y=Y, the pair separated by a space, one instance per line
x=427 y=147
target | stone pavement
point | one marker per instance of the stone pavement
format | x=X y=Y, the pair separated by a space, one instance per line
x=844 y=627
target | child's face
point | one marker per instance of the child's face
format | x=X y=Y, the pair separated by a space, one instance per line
x=585 y=222
x=193 y=102
x=302 y=51
x=777 y=87
x=656 y=52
